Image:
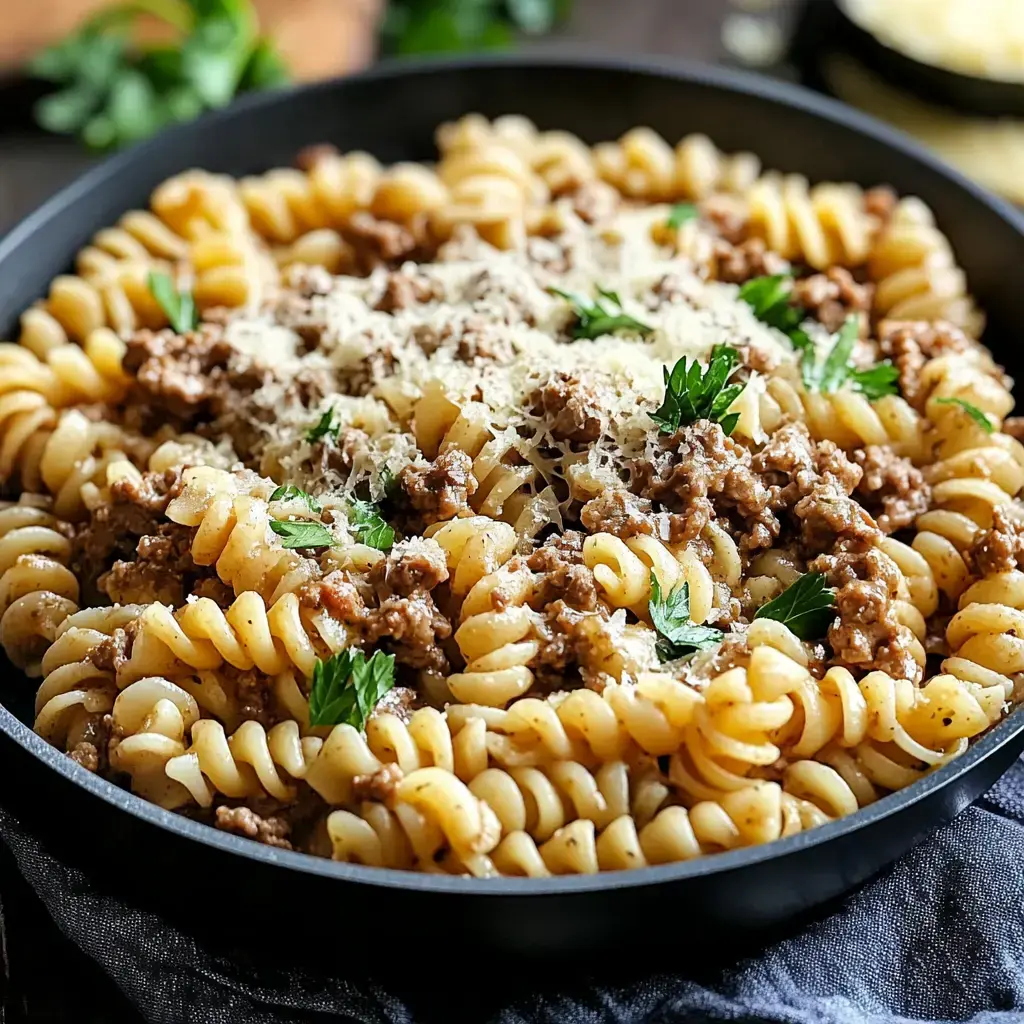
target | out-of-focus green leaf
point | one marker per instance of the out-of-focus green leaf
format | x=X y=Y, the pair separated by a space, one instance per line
x=533 y=16
x=66 y=111
x=117 y=93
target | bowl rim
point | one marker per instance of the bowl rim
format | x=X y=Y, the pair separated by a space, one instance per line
x=739 y=83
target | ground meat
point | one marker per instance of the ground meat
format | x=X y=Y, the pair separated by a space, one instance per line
x=737 y=264
x=1000 y=549
x=620 y=513
x=867 y=634
x=311 y=385
x=379 y=241
x=833 y=296
x=561 y=548
x=411 y=566
x=700 y=473
x=911 y=343
x=252 y=694
x=163 y=569
x=1014 y=426
x=215 y=589
x=400 y=701
x=441 y=490
x=190 y=378
x=573 y=648
x=413 y=627
x=405 y=288
x=110 y=654
x=135 y=509
x=85 y=754
x=830 y=519
x=308 y=157
x=377 y=786
x=340 y=455
x=759 y=360
x=570 y=408
x=90 y=749
x=245 y=822
x=892 y=489
x=880 y=202
x=727 y=214
x=595 y=201
x=484 y=342
x=562 y=576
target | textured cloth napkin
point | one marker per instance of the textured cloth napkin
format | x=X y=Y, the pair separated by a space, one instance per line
x=938 y=937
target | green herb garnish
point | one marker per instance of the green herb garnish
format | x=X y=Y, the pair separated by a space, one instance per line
x=430 y=26
x=325 y=427
x=835 y=371
x=805 y=607
x=595 y=319
x=693 y=394
x=671 y=617
x=680 y=214
x=287 y=492
x=972 y=410
x=115 y=91
x=768 y=297
x=347 y=687
x=300 y=533
x=179 y=307
x=368 y=526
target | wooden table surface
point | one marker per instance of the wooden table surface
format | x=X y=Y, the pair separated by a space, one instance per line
x=45 y=977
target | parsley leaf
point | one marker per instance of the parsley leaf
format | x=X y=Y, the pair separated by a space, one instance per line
x=301 y=533
x=835 y=371
x=114 y=90
x=671 y=617
x=348 y=686
x=595 y=319
x=972 y=410
x=286 y=492
x=179 y=307
x=325 y=427
x=806 y=607
x=694 y=394
x=876 y=382
x=680 y=214
x=368 y=526
x=768 y=297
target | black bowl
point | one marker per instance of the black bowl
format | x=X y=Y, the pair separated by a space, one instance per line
x=392 y=112
x=970 y=94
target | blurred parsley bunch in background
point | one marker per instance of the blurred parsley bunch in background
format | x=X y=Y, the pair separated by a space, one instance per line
x=441 y=26
x=114 y=91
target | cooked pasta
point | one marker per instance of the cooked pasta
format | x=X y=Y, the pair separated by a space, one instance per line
x=554 y=509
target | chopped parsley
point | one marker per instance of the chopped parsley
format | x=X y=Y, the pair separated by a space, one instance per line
x=347 y=687
x=671 y=617
x=325 y=427
x=595 y=319
x=288 y=492
x=368 y=526
x=301 y=533
x=834 y=371
x=179 y=307
x=680 y=214
x=768 y=297
x=805 y=607
x=972 y=410
x=693 y=394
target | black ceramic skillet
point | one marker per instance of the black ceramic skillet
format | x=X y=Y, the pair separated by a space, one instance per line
x=193 y=871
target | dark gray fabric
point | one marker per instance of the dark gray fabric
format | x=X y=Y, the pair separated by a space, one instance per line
x=939 y=937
